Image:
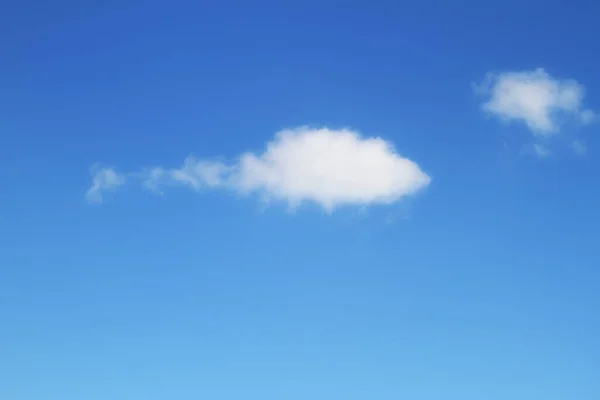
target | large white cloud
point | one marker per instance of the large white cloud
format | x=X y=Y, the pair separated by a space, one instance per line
x=328 y=167
x=534 y=97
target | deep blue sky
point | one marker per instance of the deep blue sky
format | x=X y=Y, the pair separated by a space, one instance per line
x=484 y=286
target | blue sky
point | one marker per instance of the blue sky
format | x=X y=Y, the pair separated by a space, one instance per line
x=380 y=200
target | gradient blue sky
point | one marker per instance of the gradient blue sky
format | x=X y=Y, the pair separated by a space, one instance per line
x=482 y=286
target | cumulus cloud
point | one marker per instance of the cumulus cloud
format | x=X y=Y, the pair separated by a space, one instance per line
x=329 y=167
x=324 y=166
x=535 y=98
x=104 y=179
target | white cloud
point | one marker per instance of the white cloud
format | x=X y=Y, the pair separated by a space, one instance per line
x=329 y=167
x=325 y=166
x=535 y=98
x=194 y=173
x=541 y=150
x=104 y=179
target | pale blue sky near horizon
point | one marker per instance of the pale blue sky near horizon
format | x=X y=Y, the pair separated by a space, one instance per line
x=484 y=285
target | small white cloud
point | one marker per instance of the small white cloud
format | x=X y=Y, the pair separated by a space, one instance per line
x=541 y=150
x=535 y=98
x=328 y=167
x=194 y=173
x=104 y=179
